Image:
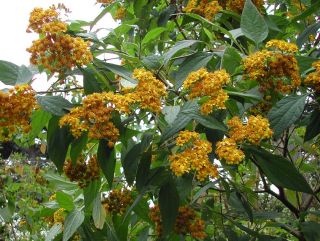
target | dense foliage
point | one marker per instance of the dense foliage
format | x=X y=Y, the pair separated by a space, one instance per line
x=208 y=129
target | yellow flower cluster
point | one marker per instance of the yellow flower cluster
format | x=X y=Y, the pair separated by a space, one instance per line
x=237 y=5
x=313 y=79
x=256 y=129
x=149 y=90
x=55 y=50
x=82 y=172
x=95 y=116
x=105 y=1
x=59 y=216
x=273 y=70
x=203 y=83
x=120 y=13
x=117 y=201
x=186 y=222
x=15 y=110
x=193 y=157
x=205 y=8
x=282 y=46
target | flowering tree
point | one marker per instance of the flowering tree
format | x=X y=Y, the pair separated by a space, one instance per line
x=207 y=130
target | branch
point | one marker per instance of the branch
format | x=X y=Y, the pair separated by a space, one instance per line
x=59 y=91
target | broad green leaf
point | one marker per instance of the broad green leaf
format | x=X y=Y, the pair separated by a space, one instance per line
x=231 y=59
x=56 y=105
x=58 y=142
x=192 y=63
x=310 y=30
x=169 y=205
x=90 y=193
x=65 y=201
x=311 y=230
x=184 y=186
x=8 y=72
x=252 y=23
x=39 y=120
x=77 y=146
x=287 y=111
x=166 y=14
x=130 y=163
x=98 y=213
x=142 y=210
x=5 y=214
x=72 y=222
x=313 y=128
x=203 y=190
x=180 y=121
x=54 y=231
x=177 y=47
x=24 y=75
x=143 y=170
x=245 y=95
x=107 y=160
x=60 y=182
x=138 y=6
x=90 y=82
x=152 y=35
x=305 y=62
x=117 y=69
x=207 y=121
x=237 y=201
x=279 y=170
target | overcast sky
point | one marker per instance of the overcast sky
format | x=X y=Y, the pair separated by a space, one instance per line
x=14 y=16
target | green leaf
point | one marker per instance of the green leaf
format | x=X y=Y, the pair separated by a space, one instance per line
x=313 y=128
x=248 y=96
x=58 y=142
x=39 y=120
x=24 y=75
x=237 y=200
x=231 y=60
x=311 y=230
x=143 y=170
x=207 y=121
x=130 y=163
x=77 y=146
x=305 y=62
x=312 y=9
x=60 y=182
x=287 y=111
x=65 y=201
x=90 y=82
x=191 y=63
x=72 y=222
x=181 y=120
x=166 y=14
x=170 y=113
x=304 y=36
x=90 y=193
x=279 y=170
x=177 y=47
x=8 y=72
x=5 y=214
x=169 y=205
x=56 y=105
x=107 y=160
x=252 y=23
x=152 y=35
x=55 y=230
x=98 y=213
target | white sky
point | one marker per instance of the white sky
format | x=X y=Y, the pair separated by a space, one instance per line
x=14 y=16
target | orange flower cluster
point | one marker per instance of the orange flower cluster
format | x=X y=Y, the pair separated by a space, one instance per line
x=193 y=157
x=237 y=5
x=15 y=110
x=56 y=50
x=313 y=79
x=205 y=8
x=105 y=1
x=82 y=172
x=95 y=116
x=120 y=13
x=203 y=83
x=59 y=216
x=282 y=46
x=186 y=222
x=274 y=70
x=256 y=129
x=149 y=90
x=117 y=201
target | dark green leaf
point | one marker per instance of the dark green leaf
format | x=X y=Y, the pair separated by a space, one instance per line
x=231 y=60
x=65 y=201
x=8 y=72
x=130 y=163
x=192 y=63
x=54 y=231
x=56 y=105
x=311 y=230
x=39 y=120
x=177 y=47
x=90 y=82
x=24 y=75
x=77 y=146
x=60 y=182
x=310 y=30
x=58 y=142
x=98 y=213
x=152 y=35
x=169 y=205
x=90 y=193
x=143 y=170
x=107 y=160
x=166 y=14
x=287 y=111
x=72 y=222
x=207 y=121
x=279 y=170
x=252 y=24
x=313 y=128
